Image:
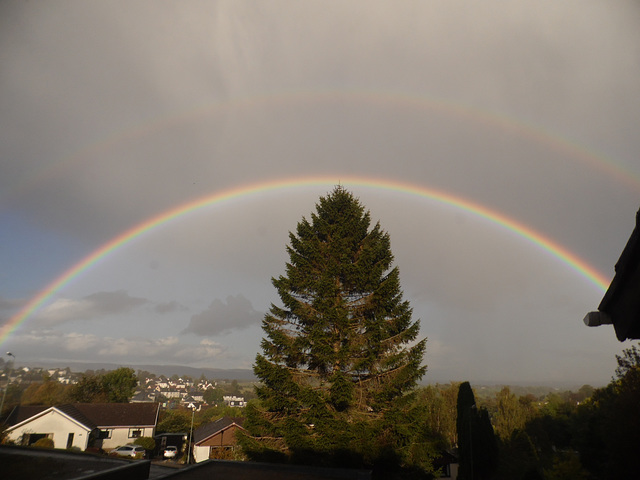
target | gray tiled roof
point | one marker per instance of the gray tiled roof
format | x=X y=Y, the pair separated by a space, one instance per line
x=205 y=431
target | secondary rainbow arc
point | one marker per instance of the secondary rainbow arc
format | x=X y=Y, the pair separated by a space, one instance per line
x=558 y=251
x=408 y=100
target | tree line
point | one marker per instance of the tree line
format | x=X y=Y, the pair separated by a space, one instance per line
x=116 y=386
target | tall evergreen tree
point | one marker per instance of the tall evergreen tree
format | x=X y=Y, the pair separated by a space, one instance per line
x=340 y=353
x=477 y=445
x=464 y=427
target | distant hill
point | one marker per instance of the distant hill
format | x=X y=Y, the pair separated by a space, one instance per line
x=245 y=374
x=167 y=370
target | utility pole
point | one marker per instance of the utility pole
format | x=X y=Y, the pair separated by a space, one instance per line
x=6 y=387
x=193 y=412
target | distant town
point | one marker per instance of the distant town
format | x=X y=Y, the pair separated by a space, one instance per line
x=169 y=391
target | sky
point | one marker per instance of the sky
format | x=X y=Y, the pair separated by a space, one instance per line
x=469 y=130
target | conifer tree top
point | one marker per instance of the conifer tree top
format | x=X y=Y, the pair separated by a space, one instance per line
x=343 y=324
x=339 y=349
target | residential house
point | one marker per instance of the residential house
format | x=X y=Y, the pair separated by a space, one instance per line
x=233 y=401
x=63 y=424
x=216 y=439
x=83 y=425
x=197 y=396
x=143 y=397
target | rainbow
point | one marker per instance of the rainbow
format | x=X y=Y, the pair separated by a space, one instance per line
x=492 y=120
x=556 y=250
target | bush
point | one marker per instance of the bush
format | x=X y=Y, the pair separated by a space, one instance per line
x=147 y=442
x=44 y=443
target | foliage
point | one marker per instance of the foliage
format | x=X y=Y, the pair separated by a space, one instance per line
x=234 y=454
x=214 y=413
x=512 y=412
x=116 y=386
x=89 y=389
x=120 y=384
x=44 y=443
x=518 y=458
x=148 y=443
x=594 y=433
x=213 y=396
x=143 y=374
x=232 y=388
x=609 y=428
x=566 y=466
x=12 y=393
x=629 y=360
x=336 y=357
x=439 y=411
x=174 y=421
x=45 y=393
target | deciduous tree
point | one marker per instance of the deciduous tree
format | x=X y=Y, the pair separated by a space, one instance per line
x=116 y=386
x=120 y=384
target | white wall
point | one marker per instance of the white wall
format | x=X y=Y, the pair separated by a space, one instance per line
x=200 y=454
x=120 y=436
x=57 y=424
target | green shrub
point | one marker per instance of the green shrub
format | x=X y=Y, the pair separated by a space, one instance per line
x=147 y=442
x=44 y=443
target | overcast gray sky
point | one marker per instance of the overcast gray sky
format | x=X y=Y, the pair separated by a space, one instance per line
x=114 y=112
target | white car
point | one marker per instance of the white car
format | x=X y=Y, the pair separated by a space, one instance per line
x=129 y=450
x=170 y=452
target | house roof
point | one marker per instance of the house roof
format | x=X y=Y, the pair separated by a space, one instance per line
x=94 y=415
x=73 y=412
x=208 y=430
x=621 y=302
x=25 y=413
x=120 y=414
x=22 y=412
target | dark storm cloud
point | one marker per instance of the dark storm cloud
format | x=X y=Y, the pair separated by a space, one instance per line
x=220 y=318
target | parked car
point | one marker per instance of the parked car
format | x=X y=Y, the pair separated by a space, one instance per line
x=170 y=452
x=129 y=451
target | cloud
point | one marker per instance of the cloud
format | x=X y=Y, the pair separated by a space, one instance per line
x=9 y=306
x=76 y=346
x=98 y=304
x=169 y=307
x=237 y=313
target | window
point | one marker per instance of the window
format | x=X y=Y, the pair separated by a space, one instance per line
x=31 y=438
x=135 y=433
x=106 y=433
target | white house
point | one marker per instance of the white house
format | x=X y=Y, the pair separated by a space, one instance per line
x=233 y=401
x=57 y=423
x=83 y=425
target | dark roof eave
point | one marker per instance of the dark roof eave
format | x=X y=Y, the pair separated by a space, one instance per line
x=618 y=302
